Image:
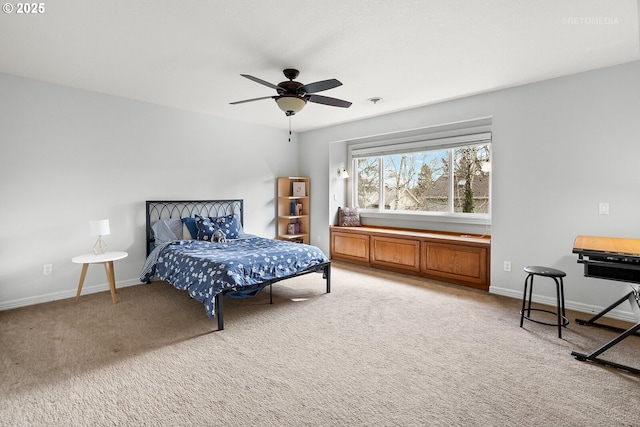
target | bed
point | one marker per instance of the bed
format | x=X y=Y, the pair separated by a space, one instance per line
x=182 y=249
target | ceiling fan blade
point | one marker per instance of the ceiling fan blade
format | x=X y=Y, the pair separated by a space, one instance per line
x=334 y=102
x=319 y=86
x=251 y=100
x=262 y=82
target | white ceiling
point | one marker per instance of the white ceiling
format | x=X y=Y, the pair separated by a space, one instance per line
x=189 y=54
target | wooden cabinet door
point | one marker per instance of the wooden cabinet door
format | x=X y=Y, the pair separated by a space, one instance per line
x=465 y=263
x=397 y=253
x=350 y=247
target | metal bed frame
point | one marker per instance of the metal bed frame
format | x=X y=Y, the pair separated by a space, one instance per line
x=168 y=209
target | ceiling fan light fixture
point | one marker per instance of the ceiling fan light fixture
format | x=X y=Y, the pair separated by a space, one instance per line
x=290 y=104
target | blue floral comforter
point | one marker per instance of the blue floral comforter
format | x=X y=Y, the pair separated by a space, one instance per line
x=205 y=269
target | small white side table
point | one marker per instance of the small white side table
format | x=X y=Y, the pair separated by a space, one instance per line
x=107 y=259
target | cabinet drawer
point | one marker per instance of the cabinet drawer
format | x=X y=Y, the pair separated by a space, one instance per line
x=465 y=263
x=350 y=247
x=395 y=253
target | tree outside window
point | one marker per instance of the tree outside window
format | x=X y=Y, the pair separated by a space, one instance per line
x=367 y=182
x=472 y=179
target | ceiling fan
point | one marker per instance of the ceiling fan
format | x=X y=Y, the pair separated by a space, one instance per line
x=293 y=96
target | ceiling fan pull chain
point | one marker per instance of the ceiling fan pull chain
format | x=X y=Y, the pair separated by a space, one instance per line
x=289 y=128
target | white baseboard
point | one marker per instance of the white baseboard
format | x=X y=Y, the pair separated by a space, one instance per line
x=627 y=316
x=71 y=293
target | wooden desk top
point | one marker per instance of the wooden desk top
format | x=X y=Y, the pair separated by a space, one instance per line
x=612 y=245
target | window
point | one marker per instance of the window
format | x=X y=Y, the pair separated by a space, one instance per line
x=440 y=175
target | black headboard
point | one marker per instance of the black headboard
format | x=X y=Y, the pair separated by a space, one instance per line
x=167 y=209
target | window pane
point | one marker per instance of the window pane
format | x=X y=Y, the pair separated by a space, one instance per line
x=432 y=184
x=416 y=182
x=368 y=182
x=471 y=179
x=399 y=175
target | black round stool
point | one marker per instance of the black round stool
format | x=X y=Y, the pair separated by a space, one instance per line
x=557 y=276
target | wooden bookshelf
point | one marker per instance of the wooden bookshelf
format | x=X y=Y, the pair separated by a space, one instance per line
x=286 y=215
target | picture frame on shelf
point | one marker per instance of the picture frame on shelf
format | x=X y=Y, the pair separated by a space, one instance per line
x=299 y=189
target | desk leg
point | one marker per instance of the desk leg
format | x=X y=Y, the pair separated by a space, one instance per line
x=82 y=276
x=593 y=356
x=108 y=266
x=591 y=322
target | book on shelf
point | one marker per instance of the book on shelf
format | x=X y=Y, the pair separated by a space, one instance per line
x=295 y=209
x=294 y=228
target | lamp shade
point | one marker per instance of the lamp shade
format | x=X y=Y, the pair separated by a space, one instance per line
x=99 y=227
x=290 y=104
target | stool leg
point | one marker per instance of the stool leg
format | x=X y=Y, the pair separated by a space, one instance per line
x=524 y=299
x=564 y=314
x=558 y=307
x=530 y=294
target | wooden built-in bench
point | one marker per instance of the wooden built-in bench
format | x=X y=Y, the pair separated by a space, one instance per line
x=453 y=257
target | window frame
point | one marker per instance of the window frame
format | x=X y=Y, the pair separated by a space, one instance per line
x=449 y=137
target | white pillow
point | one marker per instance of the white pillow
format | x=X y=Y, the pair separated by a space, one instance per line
x=167 y=230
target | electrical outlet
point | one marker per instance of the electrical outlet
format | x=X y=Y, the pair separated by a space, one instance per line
x=507 y=266
x=47 y=270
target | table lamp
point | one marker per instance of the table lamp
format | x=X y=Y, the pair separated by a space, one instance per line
x=99 y=228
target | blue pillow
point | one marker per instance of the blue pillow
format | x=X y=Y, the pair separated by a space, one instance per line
x=206 y=228
x=190 y=222
x=229 y=224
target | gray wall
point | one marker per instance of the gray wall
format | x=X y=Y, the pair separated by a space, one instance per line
x=559 y=148
x=69 y=156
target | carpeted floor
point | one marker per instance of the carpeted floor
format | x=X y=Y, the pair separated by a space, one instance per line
x=379 y=350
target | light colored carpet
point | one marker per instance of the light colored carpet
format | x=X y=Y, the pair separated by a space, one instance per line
x=379 y=350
